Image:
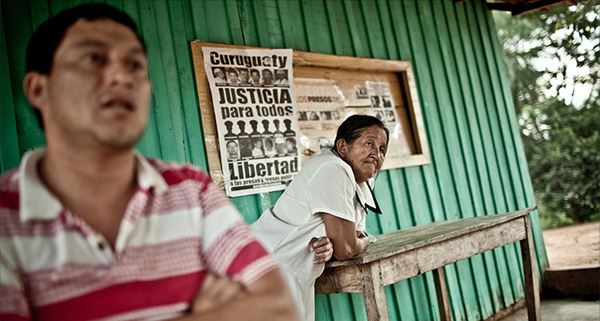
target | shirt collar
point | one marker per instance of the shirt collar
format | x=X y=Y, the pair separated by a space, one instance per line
x=364 y=192
x=365 y=196
x=37 y=202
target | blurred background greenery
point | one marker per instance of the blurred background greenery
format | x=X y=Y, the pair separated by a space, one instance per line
x=552 y=60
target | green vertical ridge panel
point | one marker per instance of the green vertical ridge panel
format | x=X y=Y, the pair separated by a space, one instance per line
x=190 y=107
x=323 y=311
x=385 y=198
x=358 y=306
x=58 y=6
x=523 y=185
x=422 y=201
x=235 y=25
x=342 y=40
x=470 y=151
x=172 y=82
x=473 y=57
x=268 y=23
x=511 y=113
x=430 y=71
x=339 y=303
x=9 y=149
x=516 y=197
x=511 y=251
x=217 y=21
x=18 y=17
x=149 y=145
x=494 y=113
x=354 y=16
x=40 y=12
x=248 y=23
x=373 y=30
x=473 y=99
x=494 y=164
x=248 y=205
x=292 y=25
x=388 y=30
x=317 y=26
x=490 y=113
x=452 y=122
x=199 y=20
x=400 y=30
x=161 y=65
x=116 y=3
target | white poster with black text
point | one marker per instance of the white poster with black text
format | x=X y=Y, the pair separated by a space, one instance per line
x=256 y=117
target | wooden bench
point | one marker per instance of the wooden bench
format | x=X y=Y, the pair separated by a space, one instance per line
x=402 y=254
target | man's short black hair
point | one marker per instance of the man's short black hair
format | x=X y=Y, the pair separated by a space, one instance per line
x=48 y=36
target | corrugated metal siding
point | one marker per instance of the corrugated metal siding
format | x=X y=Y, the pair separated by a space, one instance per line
x=478 y=166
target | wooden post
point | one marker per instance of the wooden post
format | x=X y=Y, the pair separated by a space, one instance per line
x=374 y=292
x=441 y=290
x=532 y=287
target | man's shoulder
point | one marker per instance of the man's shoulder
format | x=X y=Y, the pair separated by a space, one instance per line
x=175 y=173
x=9 y=190
x=9 y=179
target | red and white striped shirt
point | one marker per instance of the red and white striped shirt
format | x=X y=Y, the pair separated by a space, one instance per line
x=177 y=226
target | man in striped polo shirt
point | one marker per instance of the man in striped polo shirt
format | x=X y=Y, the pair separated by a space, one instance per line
x=91 y=230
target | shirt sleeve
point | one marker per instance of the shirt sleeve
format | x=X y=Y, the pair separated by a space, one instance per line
x=230 y=247
x=332 y=190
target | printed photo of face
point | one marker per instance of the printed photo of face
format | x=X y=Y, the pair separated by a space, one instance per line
x=267 y=76
x=233 y=150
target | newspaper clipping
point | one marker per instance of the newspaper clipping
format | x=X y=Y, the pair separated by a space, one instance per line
x=256 y=117
x=382 y=103
x=320 y=112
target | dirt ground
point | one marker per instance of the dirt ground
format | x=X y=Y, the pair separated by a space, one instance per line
x=573 y=245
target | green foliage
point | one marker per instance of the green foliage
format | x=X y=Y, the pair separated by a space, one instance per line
x=563 y=151
x=553 y=66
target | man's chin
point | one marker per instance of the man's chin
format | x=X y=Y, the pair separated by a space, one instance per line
x=118 y=140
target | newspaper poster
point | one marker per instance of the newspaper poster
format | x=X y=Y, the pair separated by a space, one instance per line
x=320 y=112
x=256 y=117
x=382 y=103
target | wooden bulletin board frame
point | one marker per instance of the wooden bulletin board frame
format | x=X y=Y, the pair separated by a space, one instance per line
x=314 y=65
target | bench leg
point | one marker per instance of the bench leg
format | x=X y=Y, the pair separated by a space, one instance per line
x=374 y=293
x=532 y=287
x=439 y=276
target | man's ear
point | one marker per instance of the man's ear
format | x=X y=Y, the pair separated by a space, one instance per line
x=342 y=147
x=35 y=88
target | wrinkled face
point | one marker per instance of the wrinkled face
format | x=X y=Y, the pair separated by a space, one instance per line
x=98 y=91
x=366 y=154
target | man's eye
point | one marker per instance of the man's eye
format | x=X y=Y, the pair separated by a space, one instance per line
x=134 y=65
x=94 y=58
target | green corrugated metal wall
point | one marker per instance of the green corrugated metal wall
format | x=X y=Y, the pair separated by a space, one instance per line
x=478 y=166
